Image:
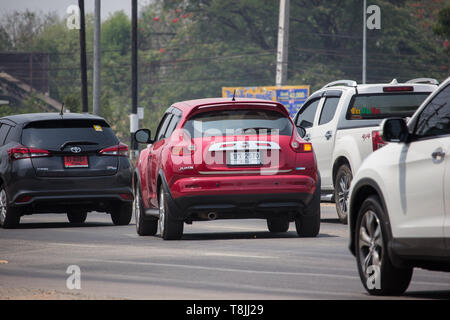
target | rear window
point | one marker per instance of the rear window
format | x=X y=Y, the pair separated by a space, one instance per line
x=51 y=135
x=380 y=106
x=238 y=122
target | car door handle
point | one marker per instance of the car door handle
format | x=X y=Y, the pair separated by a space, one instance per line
x=438 y=154
x=328 y=135
x=307 y=137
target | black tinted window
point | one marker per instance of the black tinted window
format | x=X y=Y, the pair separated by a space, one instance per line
x=173 y=123
x=328 y=110
x=380 y=106
x=435 y=117
x=51 y=135
x=163 y=127
x=4 y=129
x=307 y=113
x=238 y=122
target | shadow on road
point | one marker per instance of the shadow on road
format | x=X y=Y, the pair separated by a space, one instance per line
x=61 y=225
x=330 y=220
x=245 y=235
x=441 y=294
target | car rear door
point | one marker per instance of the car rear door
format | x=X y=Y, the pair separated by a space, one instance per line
x=323 y=135
x=77 y=148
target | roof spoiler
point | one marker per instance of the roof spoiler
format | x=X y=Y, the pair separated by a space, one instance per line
x=424 y=80
x=346 y=83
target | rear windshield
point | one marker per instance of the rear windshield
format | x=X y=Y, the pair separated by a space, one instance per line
x=380 y=106
x=238 y=122
x=52 y=135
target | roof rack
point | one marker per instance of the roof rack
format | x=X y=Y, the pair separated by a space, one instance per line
x=347 y=83
x=424 y=80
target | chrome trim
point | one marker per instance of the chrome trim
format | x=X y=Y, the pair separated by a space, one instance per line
x=243 y=145
x=244 y=171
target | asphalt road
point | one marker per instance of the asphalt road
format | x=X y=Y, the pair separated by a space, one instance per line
x=234 y=259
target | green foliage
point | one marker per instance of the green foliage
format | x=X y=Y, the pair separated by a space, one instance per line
x=191 y=49
x=442 y=26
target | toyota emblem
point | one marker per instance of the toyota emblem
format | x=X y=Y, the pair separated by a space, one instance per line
x=75 y=149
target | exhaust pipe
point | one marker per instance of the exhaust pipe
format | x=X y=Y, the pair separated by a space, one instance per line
x=212 y=216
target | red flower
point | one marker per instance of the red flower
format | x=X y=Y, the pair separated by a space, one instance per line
x=162 y=50
x=175 y=20
x=156 y=19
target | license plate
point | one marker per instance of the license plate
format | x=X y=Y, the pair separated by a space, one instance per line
x=76 y=162
x=244 y=158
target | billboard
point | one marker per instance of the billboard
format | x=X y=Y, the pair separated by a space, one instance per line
x=292 y=97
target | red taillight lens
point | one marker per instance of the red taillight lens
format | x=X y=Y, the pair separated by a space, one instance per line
x=183 y=150
x=126 y=196
x=21 y=152
x=301 y=146
x=377 y=141
x=23 y=199
x=120 y=150
x=398 y=89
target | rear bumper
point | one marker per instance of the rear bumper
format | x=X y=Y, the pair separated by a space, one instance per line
x=247 y=197
x=37 y=194
x=252 y=184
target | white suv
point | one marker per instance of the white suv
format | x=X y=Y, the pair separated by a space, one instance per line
x=342 y=121
x=399 y=204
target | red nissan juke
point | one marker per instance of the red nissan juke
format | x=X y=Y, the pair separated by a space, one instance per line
x=225 y=159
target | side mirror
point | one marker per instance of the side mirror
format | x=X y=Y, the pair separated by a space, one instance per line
x=394 y=130
x=301 y=131
x=143 y=136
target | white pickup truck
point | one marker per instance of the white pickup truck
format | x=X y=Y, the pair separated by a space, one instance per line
x=342 y=121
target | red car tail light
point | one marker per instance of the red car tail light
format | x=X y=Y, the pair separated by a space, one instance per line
x=126 y=196
x=301 y=146
x=22 y=152
x=398 y=89
x=377 y=141
x=183 y=150
x=120 y=150
x=23 y=199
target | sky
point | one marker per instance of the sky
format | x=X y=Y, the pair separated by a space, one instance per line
x=60 y=6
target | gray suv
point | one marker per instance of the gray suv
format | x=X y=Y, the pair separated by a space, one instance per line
x=70 y=163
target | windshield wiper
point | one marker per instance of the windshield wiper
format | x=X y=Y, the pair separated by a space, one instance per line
x=68 y=143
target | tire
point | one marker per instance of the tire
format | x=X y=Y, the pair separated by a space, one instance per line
x=371 y=241
x=121 y=216
x=278 y=225
x=342 y=183
x=169 y=228
x=308 y=224
x=9 y=216
x=77 y=216
x=144 y=226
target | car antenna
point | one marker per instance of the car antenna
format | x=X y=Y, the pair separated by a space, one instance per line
x=234 y=94
x=62 y=109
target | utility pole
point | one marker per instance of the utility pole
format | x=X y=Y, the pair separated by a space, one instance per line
x=283 y=40
x=84 y=96
x=364 y=42
x=134 y=120
x=97 y=60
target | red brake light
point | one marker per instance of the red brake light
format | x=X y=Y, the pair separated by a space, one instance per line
x=377 y=141
x=22 y=152
x=301 y=146
x=398 y=88
x=120 y=150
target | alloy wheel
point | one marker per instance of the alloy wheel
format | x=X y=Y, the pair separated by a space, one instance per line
x=3 y=205
x=343 y=192
x=370 y=242
x=162 y=212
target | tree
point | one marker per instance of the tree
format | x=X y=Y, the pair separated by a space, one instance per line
x=442 y=26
